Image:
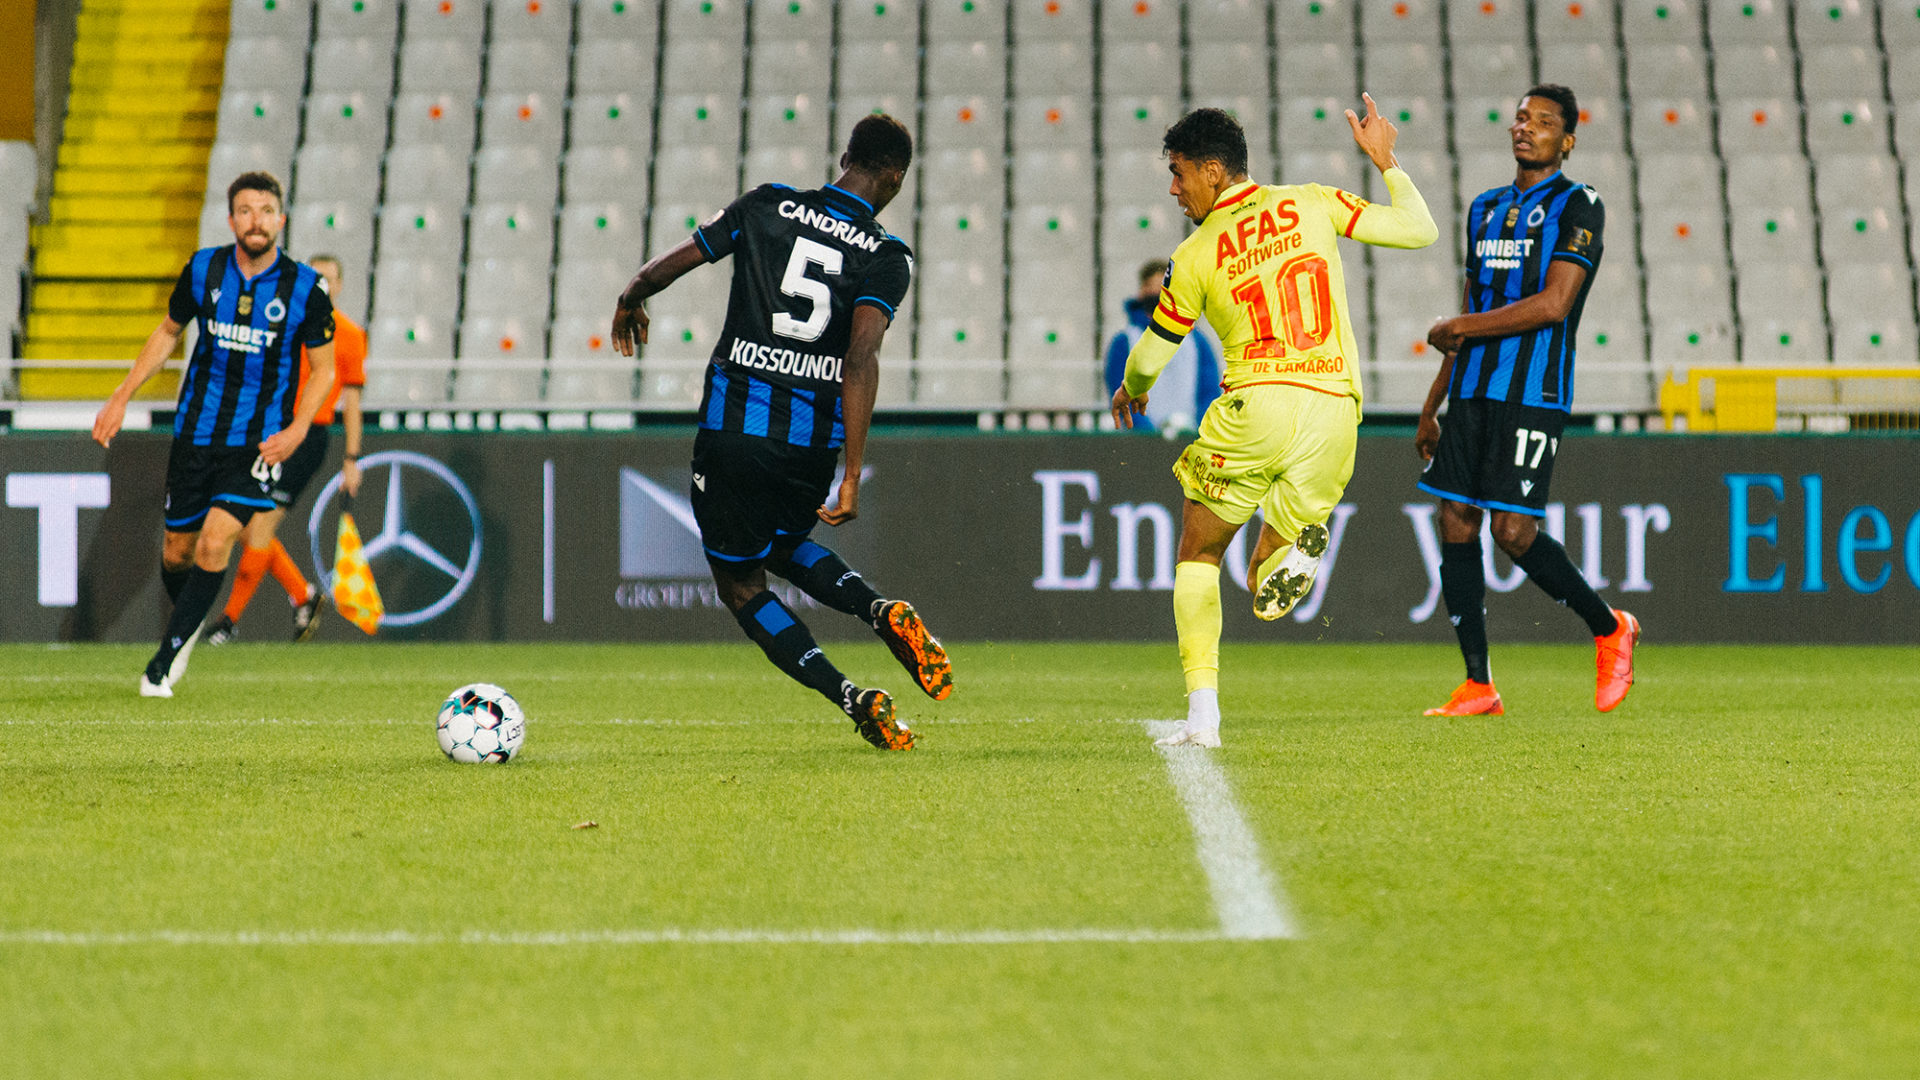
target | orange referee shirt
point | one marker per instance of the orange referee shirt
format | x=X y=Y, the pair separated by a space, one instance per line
x=349 y=363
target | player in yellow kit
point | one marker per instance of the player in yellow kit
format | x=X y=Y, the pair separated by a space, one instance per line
x=1264 y=268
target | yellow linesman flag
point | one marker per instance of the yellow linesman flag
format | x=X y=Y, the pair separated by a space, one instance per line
x=354 y=594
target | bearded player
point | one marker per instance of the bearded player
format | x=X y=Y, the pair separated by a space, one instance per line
x=1264 y=268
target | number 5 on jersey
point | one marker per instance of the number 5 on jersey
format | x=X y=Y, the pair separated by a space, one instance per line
x=797 y=284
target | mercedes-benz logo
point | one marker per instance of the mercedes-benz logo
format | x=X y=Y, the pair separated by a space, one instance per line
x=395 y=537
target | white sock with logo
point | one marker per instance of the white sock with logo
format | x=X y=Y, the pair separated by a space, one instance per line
x=1203 y=709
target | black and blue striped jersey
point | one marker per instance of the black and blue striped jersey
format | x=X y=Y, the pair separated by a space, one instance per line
x=802 y=261
x=244 y=375
x=1513 y=236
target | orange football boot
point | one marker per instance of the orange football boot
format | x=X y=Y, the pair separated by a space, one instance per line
x=873 y=717
x=1613 y=656
x=1471 y=699
x=917 y=650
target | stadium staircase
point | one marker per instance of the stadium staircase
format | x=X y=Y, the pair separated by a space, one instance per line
x=127 y=188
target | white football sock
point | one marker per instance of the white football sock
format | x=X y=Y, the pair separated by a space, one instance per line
x=1203 y=709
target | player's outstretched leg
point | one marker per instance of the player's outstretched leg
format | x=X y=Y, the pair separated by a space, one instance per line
x=169 y=664
x=826 y=577
x=790 y=645
x=1463 y=583
x=1282 y=573
x=1614 y=658
x=1196 y=620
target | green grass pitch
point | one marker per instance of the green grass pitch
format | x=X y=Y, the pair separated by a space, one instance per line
x=276 y=874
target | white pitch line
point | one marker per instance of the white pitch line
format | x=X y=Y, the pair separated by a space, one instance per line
x=1245 y=893
x=576 y=938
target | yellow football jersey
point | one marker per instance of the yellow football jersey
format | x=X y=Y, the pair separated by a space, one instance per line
x=1264 y=269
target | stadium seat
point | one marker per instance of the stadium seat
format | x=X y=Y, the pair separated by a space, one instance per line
x=445 y=20
x=1670 y=125
x=606 y=231
x=880 y=22
x=686 y=322
x=262 y=117
x=1680 y=205
x=274 y=64
x=1212 y=21
x=1052 y=174
x=1666 y=70
x=441 y=65
x=510 y=119
x=515 y=23
x=511 y=230
x=1588 y=21
x=699 y=120
x=1140 y=68
x=964 y=122
x=1058 y=377
x=614 y=66
x=1674 y=22
x=1590 y=68
x=1780 y=318
x=433 y=173
x=719 y=20
x=357 y=119
x=1473 y=23
x=229 y=159
x=1753 y=71
x=1746 y=22
x=422 y=230
x=1841 y=72
x=1481 y=121
x=1771 y=233
x=1690 y=306
x=410 y=337
x=289 y=20
x=214 y=229
x=788 y=120
x=428 y=284
x=515 y=174
x=635 y=21
x=1062 y=67
x=1835 y=22
x=1422 y=121
x=19 y=173
x=877 y=67
x=702 y=66
x=794 y=20
x=1314 y=123
x=1759 y=125
x=959 y=286
x=434 y=119
x=1778 y=179
x=584 y=366
x=346 y=65
x=606 y=174
x=1060 y=230
x=1053 y=20
x=1871 y=305
x=342 y=229
x=1314 y=70
x=1333 y=168
x=794 y=166
x=1134 y=234
x=1053 y=123
x=375 y=20
x=1613 y=336
x=851 y=107
x=671 y=224
x=1499 y=69
x=1152 y=20
x=336 y=173
x=1846 y=126
x=963 y=175
x=791 y=68
x=672 y=381
x=966 y=67
x=610 y=120
x=701 y=175
x=1899 y=28
x=1861 y=220
x=1395 y=21
x=1137 y=178
x=1139 y=123
x=516 y=289
x=534 y=66
x=495 y=367
x=965 y=20
x=587 y=288
x=1603 y=124
x=423 y=368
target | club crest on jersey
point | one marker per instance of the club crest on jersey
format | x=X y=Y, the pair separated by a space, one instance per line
x=276 y=311
x=1538 y=215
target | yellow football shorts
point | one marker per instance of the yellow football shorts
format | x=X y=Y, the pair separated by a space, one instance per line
x=1284 y=450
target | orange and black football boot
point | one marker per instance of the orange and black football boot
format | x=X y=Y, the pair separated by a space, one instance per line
x=917 y=650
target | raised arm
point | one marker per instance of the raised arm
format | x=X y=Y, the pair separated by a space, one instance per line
x=860 y=384
x=1405 y=222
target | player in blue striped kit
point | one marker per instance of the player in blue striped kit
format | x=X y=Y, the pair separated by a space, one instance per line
x=1532 y=250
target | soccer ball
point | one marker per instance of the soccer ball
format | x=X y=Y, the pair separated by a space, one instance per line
x=480 y=723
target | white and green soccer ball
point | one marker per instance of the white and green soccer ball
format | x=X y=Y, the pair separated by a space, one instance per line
x=481 y=723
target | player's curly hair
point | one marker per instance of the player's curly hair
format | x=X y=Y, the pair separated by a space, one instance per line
x=255 y=181
x=1209 y=135
x=1563 y=97
x=880 y=143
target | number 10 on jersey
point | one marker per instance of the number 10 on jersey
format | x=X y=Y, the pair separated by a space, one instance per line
x=1305 y=294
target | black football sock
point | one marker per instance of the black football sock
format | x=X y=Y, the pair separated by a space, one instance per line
x=202 y=588
x=1463 y=582
x=1546 y=562
x=789 y=644
x=827 y=578
x=173 y=581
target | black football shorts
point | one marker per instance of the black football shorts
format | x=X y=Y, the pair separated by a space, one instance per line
x=1495 y=455
x=751 y=492
x=299 y=470
x=202 y=477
